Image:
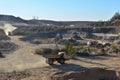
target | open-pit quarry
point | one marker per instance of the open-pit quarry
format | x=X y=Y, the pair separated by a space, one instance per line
x=23 y=64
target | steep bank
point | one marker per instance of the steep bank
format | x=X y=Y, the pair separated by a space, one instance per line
x=88 y=74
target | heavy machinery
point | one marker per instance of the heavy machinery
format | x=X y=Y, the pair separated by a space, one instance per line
x=98 y=44
x=60 y=58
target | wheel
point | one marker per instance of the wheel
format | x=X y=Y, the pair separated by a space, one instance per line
x=49 y=61
x=61 y=61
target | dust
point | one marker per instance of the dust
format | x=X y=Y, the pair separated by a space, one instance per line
x=8 y=28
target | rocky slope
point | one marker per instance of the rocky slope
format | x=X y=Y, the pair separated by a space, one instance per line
x=88 y=74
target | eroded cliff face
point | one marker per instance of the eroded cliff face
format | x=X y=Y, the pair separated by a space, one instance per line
x=89 y=74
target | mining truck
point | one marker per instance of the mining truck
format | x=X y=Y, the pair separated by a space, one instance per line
x=60 y=58
x=99 y=45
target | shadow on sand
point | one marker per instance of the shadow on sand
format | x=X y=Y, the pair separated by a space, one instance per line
x=96 y=57
x=1 y=55
x=69 y=67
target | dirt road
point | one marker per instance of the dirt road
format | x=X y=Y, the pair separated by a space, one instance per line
x=22 y=58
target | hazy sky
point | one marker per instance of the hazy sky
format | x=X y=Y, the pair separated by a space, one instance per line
x=61 y=10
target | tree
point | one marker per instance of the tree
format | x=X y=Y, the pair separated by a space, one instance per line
x=116 y=16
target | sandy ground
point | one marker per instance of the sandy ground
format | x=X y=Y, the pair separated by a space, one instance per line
x=110 y=62
x=22 y=58
x=33 y=67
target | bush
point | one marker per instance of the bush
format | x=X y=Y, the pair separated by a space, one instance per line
x=38 y=51
x=101 y=52
x=55 y=51
x=47 y=50
x=83 y=52
x=43 y=51
x=70 y=50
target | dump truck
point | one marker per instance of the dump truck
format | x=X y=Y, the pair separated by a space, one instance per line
x=60 y=58
x=99 y=44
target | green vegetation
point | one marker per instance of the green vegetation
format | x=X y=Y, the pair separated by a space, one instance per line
x=115 y=48
x=70 y=50
x=43 y=51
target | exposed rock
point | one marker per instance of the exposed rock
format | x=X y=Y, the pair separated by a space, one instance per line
x=89 y=74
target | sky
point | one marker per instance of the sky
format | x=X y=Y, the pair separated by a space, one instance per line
x=61 y=10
